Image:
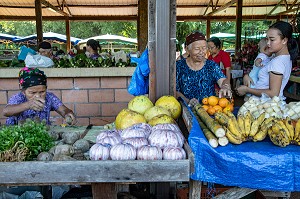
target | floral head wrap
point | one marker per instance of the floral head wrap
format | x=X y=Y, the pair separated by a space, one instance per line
x=29 y=77
x=194 y=36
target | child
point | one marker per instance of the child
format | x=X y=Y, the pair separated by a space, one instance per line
x=263 y=57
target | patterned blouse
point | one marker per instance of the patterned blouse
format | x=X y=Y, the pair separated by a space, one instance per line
x=197 y=84
x=52 y=104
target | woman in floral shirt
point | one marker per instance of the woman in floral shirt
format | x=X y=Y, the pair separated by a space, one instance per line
x=34 y=100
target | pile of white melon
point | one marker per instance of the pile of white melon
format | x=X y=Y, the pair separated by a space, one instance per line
x=275 y=107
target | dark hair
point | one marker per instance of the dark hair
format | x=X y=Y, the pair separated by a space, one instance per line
x=45 y=45
x=286 y=31
x=93 y=44
x=216 y=41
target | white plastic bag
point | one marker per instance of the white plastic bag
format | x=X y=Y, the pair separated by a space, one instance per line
x=34 y=61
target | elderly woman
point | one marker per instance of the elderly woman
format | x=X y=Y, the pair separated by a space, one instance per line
x=34 y=100
x=196 y=76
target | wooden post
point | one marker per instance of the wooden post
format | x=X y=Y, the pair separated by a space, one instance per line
x=238 y=27
x=151 y=49
x=208 y=27
x=162 y=47
x=38 y=19
x=142 y=25
x=68 y=34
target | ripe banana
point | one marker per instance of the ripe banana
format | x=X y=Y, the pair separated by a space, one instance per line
x=297 y=129
x=233 y=128
x=289 y=126
x=279 y=135
x=231 y=138
x=286 y=130
x=247 y=123
x=256 y=124
x=241 y=124
x=262 y=133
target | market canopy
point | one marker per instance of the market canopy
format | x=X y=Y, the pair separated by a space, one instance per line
x=51 y=36
x=106 y=39
x=8 y=37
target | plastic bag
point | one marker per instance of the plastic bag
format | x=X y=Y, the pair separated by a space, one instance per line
x=33 y=61
x=24 y=51
x=139 y=84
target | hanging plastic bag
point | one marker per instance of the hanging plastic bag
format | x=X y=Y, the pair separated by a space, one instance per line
x=139 y=84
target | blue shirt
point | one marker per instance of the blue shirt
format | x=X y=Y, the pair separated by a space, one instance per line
x=52 y=103
x=197 y=84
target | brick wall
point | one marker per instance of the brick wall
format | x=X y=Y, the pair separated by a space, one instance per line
x=94 y=100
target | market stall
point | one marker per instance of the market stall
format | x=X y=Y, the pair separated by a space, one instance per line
x=250 y=166
x=100 y=174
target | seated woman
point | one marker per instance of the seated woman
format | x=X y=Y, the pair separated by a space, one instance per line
x=93 y=48
x=196 y=75
x=34 y=100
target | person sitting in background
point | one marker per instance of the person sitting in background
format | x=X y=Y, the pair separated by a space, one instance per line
x=45 y=49
x=93 y=48
x=34 y=100
x=219 y=56
x=184 y=55
x=196 y=76
x=42 y=59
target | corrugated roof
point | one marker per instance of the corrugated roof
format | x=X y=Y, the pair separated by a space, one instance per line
x=128 y=9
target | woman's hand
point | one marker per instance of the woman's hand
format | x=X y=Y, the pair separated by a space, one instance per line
x=242 y=90
x=225 y=92
x=247 y=81
x=70 y=118
x=36 y=104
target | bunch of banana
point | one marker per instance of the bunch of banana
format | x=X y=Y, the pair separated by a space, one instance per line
x=245 y=127
x=232 y=130
x=283 y=132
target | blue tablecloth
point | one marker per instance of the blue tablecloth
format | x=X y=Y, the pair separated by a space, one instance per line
x=257 y=165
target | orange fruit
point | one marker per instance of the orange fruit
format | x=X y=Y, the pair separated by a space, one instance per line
x=213 y=100
x=211 y=111
x=205 y=100
x=228 y=108
x=218 y=108
x=231 y=107
x=205 y=107
x=223 y=102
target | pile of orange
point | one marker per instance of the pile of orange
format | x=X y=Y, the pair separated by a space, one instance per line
x=214 y=104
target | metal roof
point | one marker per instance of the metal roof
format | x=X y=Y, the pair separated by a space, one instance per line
x=128 y=9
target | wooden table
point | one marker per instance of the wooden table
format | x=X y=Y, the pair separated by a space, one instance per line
x=292 y=89
x=104 y=176
x=232 y=193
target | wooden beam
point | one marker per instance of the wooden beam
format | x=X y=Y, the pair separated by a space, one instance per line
x=285 y=12
x=210 y=3
x=278 y=4
x=291 y=6
x=222 y=7
x=134 y=18
x=49 y=5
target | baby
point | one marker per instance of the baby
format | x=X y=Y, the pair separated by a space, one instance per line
x=263 y=57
